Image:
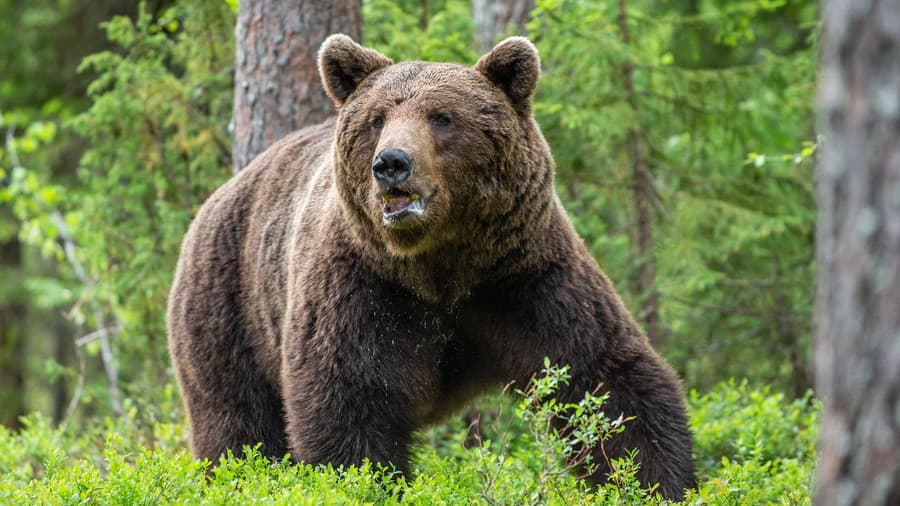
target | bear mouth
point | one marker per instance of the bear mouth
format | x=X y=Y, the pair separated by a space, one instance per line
x=400 y=206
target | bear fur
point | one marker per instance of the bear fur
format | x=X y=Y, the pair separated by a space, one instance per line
x=313 y=311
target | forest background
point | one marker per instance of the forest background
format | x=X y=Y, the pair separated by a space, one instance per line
x=684 y=138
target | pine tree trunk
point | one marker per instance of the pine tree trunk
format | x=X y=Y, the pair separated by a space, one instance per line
x=276 y=82
x=493 y=18
x=857 y=342
x=642 y=196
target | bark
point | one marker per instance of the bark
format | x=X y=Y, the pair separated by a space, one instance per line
x=857 y=340
x=494 y=18
x=642 y=196
x=276 y=83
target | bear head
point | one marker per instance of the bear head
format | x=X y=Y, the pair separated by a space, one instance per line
x=424 y=152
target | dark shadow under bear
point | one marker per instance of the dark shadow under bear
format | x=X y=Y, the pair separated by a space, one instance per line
x=365 y=277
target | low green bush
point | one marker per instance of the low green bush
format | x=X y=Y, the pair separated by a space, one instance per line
x=752 y=447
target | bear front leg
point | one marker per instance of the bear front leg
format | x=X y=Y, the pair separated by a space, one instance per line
x=358 y=369
x=341 y=416
x=571 y=314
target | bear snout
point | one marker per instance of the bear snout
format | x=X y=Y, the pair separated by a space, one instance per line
x=392 y=167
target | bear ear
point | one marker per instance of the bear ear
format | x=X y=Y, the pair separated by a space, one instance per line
x=343 y=64
x=514 y=66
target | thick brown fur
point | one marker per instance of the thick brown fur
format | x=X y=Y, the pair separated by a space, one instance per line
x=301 y=318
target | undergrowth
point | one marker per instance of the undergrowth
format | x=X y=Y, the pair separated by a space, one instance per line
x=752 y=446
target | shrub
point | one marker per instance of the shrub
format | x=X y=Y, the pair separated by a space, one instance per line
x=752 y=447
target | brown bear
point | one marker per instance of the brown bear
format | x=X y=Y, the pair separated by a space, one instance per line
x=367 y=276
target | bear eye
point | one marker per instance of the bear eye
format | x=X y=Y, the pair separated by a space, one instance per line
x=440 y=119
x=377 y=121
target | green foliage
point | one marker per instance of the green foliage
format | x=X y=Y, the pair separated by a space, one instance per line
x=747 y=425
x=43 y=43
x=398 y=31
x=31 y=199
x=753 y=446
x=26 y=203
x=582 y=426
x=725 y=137
x=552 y=449
x=767 y=457
x=159 y=146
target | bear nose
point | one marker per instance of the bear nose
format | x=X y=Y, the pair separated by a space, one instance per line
x=392 y=166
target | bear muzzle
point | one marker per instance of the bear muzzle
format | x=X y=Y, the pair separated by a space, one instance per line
x=400 y=203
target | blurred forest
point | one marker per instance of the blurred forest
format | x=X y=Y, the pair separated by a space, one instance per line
x=683 y=132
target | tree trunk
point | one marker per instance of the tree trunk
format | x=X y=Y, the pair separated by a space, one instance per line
x=12 y=365
x=62 y=345
x=12 y=337
x=493 y=18
x=857 y=341
x=276 y=83
x=642 y=195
